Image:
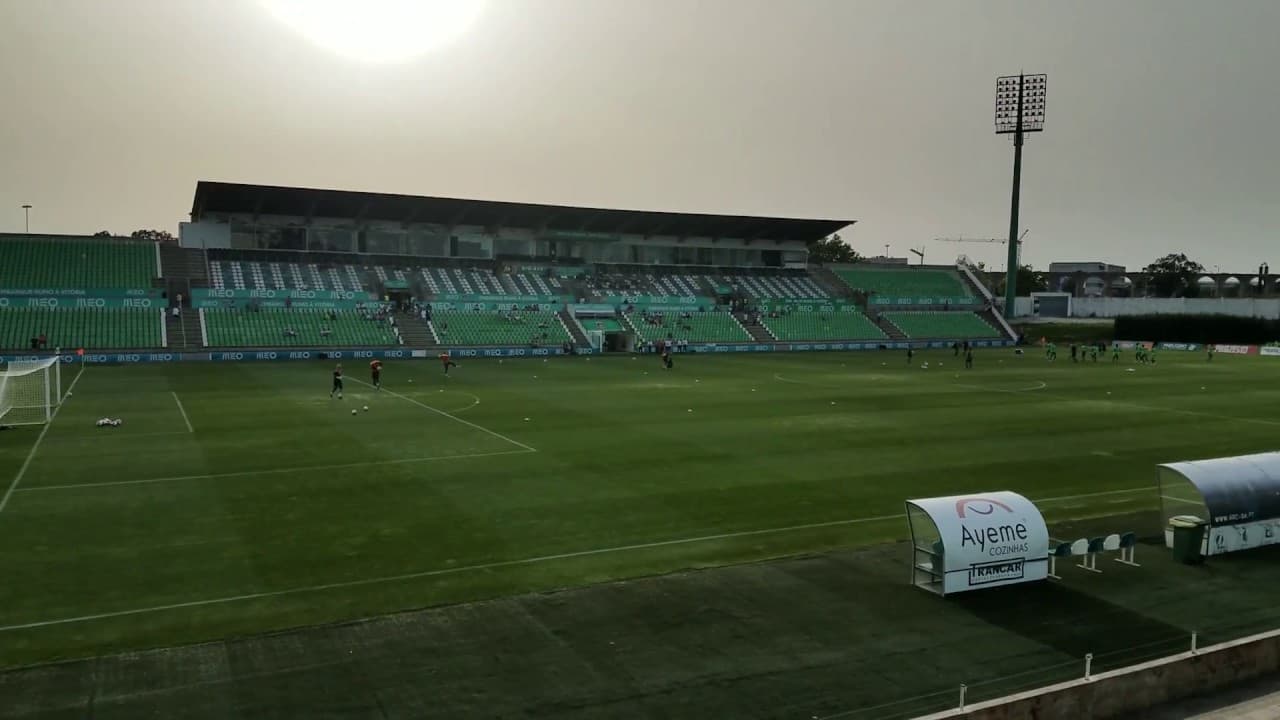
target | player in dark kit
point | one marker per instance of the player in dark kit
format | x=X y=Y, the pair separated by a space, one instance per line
x=666 y=359
x=375 y=370
x=444 y=360
x=337 y=382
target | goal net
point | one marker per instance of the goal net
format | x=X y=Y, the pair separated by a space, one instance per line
x=29 y=391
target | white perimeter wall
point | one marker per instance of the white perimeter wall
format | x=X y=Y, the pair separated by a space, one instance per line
x=1112 y=307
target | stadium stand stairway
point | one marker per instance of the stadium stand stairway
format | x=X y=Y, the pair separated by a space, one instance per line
x=830 y=282
x=414 y=332
x=574 y=328
x=183 y=269
x=183 y=332
x=888 y=328
x=759 y=332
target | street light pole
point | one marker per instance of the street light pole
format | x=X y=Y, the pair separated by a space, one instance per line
x=1019 y=110
x=26 y=217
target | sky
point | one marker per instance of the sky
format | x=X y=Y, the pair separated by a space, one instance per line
x=1159 y=132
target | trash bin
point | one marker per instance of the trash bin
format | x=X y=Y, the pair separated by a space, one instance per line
x=1188 y=537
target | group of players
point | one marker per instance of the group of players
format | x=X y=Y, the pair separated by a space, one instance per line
x=375 y=374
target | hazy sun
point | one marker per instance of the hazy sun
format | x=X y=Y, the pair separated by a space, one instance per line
x=381 y=31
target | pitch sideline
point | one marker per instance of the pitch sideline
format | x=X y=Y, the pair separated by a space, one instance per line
x=492 y=566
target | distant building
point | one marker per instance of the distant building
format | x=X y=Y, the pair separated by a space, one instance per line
x=1085 y=267
x=1089 y=279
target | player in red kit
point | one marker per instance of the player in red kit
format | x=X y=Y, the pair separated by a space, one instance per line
x=375 y=370
x=446 y=362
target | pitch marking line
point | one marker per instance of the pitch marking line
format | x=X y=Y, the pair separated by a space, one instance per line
x=22 y=471
x=183 y=410
x=489 y=566
x=1040 y=385
x=438 y=411
x=273 y=471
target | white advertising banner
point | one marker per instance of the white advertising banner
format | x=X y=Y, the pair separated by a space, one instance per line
x=988 y=539
x=1232 y=349
x=1244 y=536
x=1270 y=351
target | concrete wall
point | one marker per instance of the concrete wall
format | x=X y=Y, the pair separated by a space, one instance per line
x=1082 y=307
x=1111 y=307
x=1123 y=693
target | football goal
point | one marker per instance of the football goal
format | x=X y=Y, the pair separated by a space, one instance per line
x=29 y=391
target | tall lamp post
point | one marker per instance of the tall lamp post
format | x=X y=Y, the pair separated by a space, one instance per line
x=1019 y=110
x=26 y=218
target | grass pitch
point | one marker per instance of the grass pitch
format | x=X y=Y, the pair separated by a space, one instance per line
x=238 y=499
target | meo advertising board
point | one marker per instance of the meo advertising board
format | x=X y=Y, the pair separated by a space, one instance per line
x=987 y=540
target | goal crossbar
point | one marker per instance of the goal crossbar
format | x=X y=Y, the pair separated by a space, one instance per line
x=30 y=391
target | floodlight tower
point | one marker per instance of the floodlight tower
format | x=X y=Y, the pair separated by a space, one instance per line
x=1019 y=110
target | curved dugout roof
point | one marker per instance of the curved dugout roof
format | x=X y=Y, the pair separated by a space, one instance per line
x=1245 y=487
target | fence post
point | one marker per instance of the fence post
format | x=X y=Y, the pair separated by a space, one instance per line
x=1193 y=641
x=963 y=687
x=1088 y=666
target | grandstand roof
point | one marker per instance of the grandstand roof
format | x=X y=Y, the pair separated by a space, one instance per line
x=270 y=200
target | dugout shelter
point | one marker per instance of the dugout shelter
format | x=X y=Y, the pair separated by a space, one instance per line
x=1238 y=497
x=970 y=542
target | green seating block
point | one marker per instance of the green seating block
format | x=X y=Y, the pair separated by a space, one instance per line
x=457 y=327
x=270 y=327
x=699 y=327
x=941 y=325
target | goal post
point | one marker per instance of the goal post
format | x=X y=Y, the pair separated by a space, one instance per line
x=30 y=390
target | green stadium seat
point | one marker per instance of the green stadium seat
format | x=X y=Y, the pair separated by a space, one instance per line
x=268 y=327
x=31 y=263
x=699 y=327
x=457 y=327
x=940 y=286
x=822 y=326
x=89 y=328
x=941 y=325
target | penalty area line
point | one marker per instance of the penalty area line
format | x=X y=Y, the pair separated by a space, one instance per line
x=22 y=471
x=439 y=572
x=272 y=471
x=454 y=418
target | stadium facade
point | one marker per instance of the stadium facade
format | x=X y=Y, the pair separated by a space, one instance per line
x=259 y=217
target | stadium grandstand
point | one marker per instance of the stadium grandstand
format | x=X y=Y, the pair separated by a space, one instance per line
x=264 y=267
x=444 y=272
x=80 y=292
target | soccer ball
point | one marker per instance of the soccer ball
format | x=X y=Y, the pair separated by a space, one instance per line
x=366 y=408
x=353 y=411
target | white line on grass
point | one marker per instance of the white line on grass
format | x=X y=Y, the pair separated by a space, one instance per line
x=22 y=471
x=273 y=471
x=438 y=411
x=484 y=566
x=1040 y=385
x=183 y=410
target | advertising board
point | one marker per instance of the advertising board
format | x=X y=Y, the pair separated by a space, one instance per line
x=63 y=302
x=1269 y=351
x=1243 y=536
x=1235 y=349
